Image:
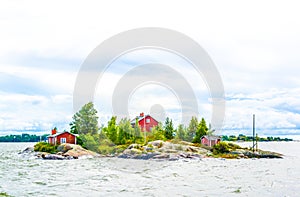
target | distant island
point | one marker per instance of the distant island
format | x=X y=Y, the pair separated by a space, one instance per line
x=242 y=137
x=23 y=138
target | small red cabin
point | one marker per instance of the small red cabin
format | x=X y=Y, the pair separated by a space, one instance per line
x=60 y=138
x=145 y=122
x=210 y=140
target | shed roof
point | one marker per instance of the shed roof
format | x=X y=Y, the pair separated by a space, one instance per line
x=57 y=134
x=211 y=137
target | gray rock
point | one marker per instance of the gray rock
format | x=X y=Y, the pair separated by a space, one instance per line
x=173 y=158
x=53 y=157
x=162 y=156
x=64 y=148
x=132 y=151
x=27 y=150
x=136 y=146
x=157 y=143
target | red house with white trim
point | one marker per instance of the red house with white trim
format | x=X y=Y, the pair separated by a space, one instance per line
x=60 y=138
x=210 y=140
x=145 y=122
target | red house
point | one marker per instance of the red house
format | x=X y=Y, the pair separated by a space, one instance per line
x=60 y=138
x=210 y=140
x=145 y=122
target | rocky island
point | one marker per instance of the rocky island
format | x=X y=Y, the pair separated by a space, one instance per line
x=156 y=150
x=140 y=138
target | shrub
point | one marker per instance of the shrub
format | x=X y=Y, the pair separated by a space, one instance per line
x=221 y=148
x=45 y=147
x=156 y=135
x=229 y=156
x=104 y=149
x=120 y=148
x=234 y=146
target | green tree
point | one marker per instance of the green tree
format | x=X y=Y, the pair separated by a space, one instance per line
x=169 y=128
x=111 y=131
x=125 y=133
x=90 y=142
x=137 y=129
x=157 y=133
x=192 y=128
x=181 y=132
x=85 y=121
x=73 y=128
x=201 y=131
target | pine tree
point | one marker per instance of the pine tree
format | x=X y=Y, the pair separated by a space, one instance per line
x=192 y=128
x=169 y=128
x=137 y=129
x=181 y=132
x=201 y=131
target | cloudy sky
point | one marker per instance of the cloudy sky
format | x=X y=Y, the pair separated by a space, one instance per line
x=255 y=46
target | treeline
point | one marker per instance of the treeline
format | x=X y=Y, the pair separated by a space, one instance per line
x=23 y=138
x=117 y=135
x=245 y=138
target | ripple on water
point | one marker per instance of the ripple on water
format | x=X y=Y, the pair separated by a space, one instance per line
x=39 y=183
x=103 y=176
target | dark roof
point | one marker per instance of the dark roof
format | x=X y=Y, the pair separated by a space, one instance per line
x=57 y=134
x=211 y=137
x=141 y=118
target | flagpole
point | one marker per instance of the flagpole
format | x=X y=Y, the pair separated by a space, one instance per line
x=144 y=128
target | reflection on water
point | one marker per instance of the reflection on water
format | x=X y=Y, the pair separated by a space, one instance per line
x=26 y=176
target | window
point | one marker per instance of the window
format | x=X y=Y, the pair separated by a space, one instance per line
x=148 y=120
x=63 y=140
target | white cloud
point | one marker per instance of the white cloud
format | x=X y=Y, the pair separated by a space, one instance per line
x=255 y=46
x=271 y=109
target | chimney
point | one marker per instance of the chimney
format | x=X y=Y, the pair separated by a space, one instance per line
x=53 y=132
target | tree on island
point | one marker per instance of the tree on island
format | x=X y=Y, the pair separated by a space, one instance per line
x=125 y=131
x=137 y=129
x=169 y=128
x=85 y=121
x=111 y=131
x=201 y=131
x=181 y=132
x=192 y=128
x=157 y=133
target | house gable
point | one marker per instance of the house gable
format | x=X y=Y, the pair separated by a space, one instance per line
x=209 y=140
x=147 y=122
x=65 y=137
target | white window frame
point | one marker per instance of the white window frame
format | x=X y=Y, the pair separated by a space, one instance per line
x=63 y=140
x=147 y=120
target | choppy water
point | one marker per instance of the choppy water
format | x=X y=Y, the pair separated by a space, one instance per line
x=25 y=176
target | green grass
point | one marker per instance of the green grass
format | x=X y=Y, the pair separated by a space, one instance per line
x=45 y=147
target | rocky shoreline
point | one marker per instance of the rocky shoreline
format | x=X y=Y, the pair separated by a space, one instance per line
x=65 y=152
x=155 y=150
x=186 y=150
x=164 y=150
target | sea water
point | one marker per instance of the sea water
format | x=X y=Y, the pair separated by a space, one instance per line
x=22 y=175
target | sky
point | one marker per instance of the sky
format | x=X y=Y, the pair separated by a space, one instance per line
x=254 y=44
